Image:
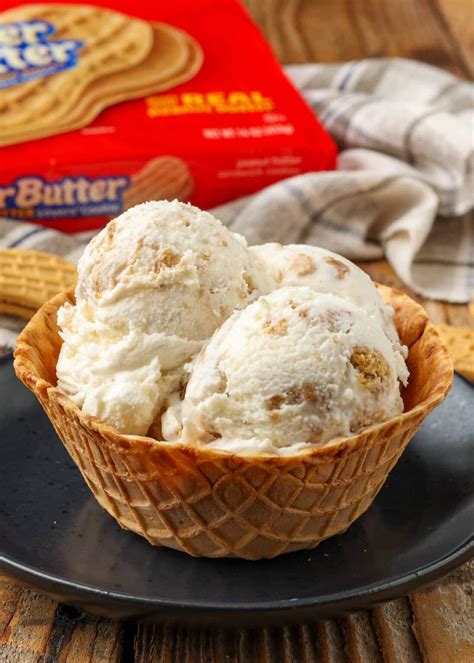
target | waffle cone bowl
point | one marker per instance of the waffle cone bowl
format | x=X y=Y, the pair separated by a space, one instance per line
x=213 y=503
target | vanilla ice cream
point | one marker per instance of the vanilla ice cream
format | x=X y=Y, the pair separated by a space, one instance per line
x=294 y=369
x=328 y=272
x=153 y=285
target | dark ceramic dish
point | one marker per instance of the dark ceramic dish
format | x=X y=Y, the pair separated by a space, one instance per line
x=56 y=538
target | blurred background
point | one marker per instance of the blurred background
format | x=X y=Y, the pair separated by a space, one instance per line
x=439 y=32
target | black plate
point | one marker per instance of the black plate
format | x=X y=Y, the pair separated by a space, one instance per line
x=55 y=537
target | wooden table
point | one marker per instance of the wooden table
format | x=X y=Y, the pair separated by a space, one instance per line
x=34 y=629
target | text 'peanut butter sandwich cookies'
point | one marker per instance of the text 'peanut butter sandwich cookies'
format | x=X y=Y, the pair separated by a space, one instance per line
x=106 y=106
x=227 y=401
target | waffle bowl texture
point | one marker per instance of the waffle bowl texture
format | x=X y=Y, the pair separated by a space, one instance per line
x=213 y=503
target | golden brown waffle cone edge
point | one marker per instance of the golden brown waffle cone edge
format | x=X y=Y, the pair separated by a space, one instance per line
x=213 y=503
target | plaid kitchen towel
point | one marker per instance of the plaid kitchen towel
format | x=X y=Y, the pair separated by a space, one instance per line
x=404 y=187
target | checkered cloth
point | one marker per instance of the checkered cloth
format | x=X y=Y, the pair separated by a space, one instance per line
x=404 y=188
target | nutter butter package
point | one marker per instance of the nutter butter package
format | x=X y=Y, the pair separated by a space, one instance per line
x=106 y=105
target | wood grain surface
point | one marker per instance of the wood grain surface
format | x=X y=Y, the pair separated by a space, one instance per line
x=439 y=32
x=34 y=629
x=432 y=625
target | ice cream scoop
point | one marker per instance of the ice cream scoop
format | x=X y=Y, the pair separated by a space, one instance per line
x=294 y=369
x=171 y=267
x=152 y=286
x=123 y=378
x=328 y=272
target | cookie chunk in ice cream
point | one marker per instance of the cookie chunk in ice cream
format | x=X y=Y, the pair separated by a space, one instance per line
x=153 y=285
x=327 y=272
x=294 y=369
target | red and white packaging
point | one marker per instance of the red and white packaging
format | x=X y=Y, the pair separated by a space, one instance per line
x=237 y=126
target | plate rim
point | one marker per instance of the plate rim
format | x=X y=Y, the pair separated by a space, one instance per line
x=342 y=601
